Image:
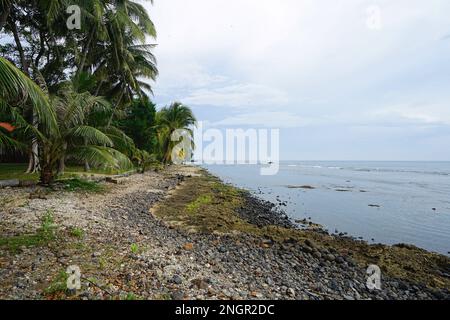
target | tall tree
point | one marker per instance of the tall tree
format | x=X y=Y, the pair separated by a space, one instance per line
x=138 y=123
x=168 y=120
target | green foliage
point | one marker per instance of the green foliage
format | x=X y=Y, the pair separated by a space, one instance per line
x=47 y=229
x=82 y=95
x=197 y=203
x=144 y=160
x=139 y=123
x=77 y=232
x=59 y=284
x=44 y=235
x=10 y=171
x=72 y=81
x=76 y=184
x=134 y=248
x=168 y=120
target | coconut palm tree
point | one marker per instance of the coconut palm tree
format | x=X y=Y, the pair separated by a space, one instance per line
x=16 y=92
x=77 y=137
x=63 y=130
x=168 y=121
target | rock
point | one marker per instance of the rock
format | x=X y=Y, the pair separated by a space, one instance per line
x=200 y=284
x=222 y=249
x=330 y=257
x=38 y=194
x=177 y=295
x=290 y=292
x=9 y=183
x=310 y=243
x=317 y=254
x=27 y=183
x=255 y=294
x=266 y=243
x=111 y=180
x=176 y=279
x=340 y=260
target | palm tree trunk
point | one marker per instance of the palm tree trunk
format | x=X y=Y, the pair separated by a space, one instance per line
x=4 y=15
x=97 y=91
x=87 y=167
x=62 y=162
x=115 y=108
x=47 y=176
x=61 y=166
x=33 y=162
x=85 y=52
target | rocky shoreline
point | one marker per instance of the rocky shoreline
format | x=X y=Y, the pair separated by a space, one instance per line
x=343 y=277
x=225 y=244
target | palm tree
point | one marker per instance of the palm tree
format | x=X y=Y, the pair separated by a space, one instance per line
x=62 y=128
x=16 y=92
x=170 y=119
x=76 y=138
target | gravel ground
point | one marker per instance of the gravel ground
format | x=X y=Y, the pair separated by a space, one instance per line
x=126 y=253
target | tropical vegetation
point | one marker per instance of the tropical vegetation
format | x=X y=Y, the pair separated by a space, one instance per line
x=83 y=96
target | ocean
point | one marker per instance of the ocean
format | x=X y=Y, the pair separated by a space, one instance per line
x=380 y=202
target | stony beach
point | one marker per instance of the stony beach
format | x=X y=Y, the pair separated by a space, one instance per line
x=181 y=233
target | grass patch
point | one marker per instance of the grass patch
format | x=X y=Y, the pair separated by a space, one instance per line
x=77 y=232
x=44 y=235
x=58 y=285
x=16 y=171
x=134 y=248
x=76 y=184
x=197 y=203
x=204 y=204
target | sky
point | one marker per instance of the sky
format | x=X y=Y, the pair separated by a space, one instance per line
x=341 y=79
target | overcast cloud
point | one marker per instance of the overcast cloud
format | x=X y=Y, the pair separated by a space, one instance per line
x=337 y=84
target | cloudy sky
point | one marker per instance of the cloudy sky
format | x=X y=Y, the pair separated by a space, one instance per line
x=342 y=79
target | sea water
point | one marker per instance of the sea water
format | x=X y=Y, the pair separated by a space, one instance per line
x=380 y=202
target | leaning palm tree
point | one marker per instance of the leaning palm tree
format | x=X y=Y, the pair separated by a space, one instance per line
x=168 y=121
x=16 y=92
x=62 y=130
